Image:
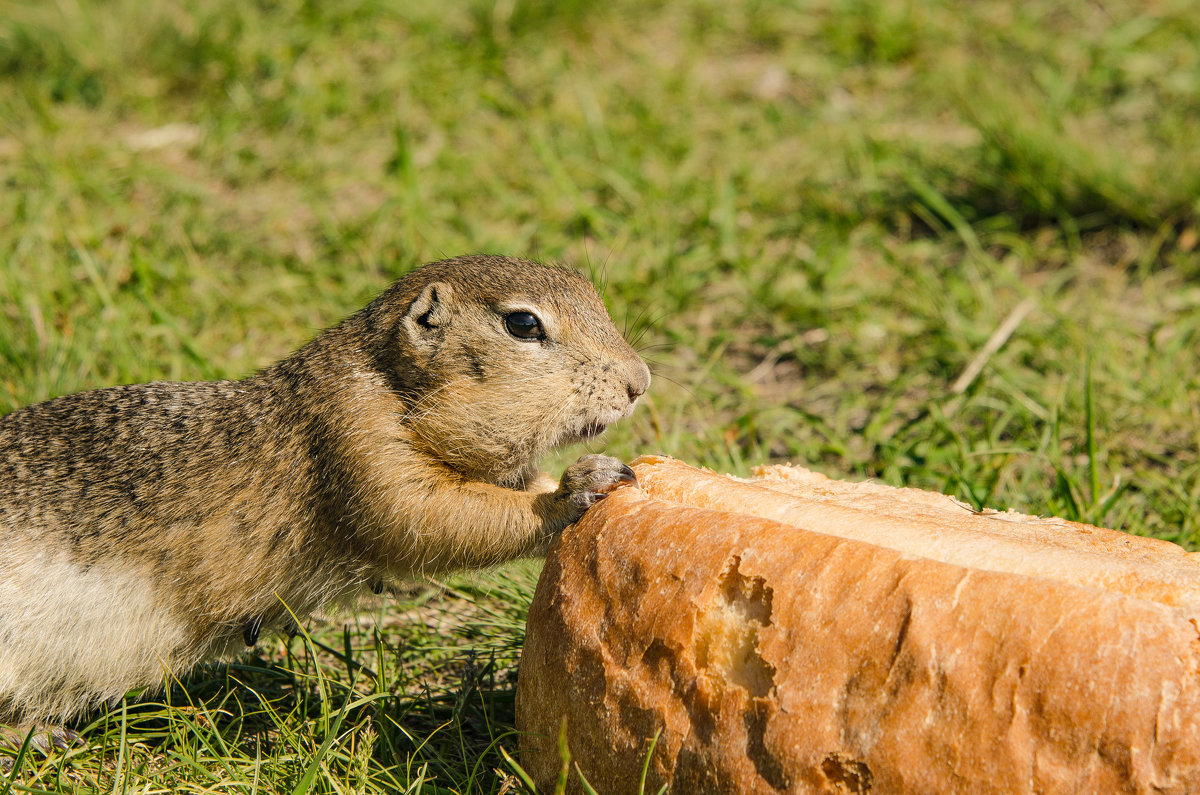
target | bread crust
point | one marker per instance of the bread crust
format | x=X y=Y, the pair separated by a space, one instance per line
x=778 y=658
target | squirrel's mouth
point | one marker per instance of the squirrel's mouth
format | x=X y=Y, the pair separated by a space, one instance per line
x=592 y=430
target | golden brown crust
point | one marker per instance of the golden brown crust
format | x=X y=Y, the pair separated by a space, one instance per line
x=774 y=658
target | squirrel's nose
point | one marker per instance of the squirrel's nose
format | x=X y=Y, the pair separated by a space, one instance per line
x=639 y=383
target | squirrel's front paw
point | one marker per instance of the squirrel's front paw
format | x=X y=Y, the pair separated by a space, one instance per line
x=589 y=480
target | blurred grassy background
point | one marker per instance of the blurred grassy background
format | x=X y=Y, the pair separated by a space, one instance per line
x=818 y=212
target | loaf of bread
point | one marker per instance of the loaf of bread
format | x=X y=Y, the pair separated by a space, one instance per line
x=800 y=634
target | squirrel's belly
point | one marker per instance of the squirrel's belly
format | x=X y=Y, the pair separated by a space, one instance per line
x=72 y=636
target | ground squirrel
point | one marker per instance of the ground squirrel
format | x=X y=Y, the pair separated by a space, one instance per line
x=145 y=529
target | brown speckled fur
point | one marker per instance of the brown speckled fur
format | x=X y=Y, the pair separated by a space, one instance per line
x=147 y=528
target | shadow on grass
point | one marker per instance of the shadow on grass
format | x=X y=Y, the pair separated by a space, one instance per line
x=387 y=708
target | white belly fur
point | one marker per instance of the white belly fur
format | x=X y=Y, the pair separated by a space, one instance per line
x=72 y=637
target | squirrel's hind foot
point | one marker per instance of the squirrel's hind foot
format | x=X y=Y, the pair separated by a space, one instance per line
x=41 y=737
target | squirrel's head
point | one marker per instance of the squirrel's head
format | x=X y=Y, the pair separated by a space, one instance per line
x=499 y=359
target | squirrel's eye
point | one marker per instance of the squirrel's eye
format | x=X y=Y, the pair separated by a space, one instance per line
x=524 y=325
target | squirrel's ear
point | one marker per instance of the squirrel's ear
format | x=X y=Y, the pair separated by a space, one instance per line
x=430 y=309
x=428 y=313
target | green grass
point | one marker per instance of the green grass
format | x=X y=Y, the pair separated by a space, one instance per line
x=816 y=214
